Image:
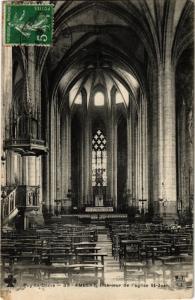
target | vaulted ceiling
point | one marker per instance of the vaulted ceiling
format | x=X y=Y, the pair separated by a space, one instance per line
x=112 y=42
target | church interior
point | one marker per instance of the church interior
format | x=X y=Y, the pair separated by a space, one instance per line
x=97 y=148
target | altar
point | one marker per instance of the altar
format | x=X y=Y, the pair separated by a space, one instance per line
x=99 y=209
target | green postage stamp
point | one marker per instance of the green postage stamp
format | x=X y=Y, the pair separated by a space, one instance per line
x=28 y=24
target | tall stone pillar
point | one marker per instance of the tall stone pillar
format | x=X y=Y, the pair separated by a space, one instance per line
x=139 y=157
x=69 y=152
x=145 y=154
x=136 y=162
x=81 y=200
x=67 y=200
x=129 y=158
x=7 y=92
x=114 y=178
x=134 y=156
x=63 y=157
x=164 y=140
x=68 y=149
x=87 y=199
x=66 y=159
x=182 y=156
x=169 y=143
x=90 y=192
x=112 y=155
x=110 y=160
x=8 y=164
x=153 y=113
x=58 y=158
x=52 y=159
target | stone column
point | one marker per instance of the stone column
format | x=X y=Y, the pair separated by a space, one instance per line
x=66 y=157
x=90 y=192
x=58 y=158
x=19 y=169
x=46 y=164
x=180 y=147
x=63 y=157
x=31 y=170
x=136 y=162
x=112 y=154
x=86 y=150
x=114 y=178
x=110 y=160
x=25 y=170
x=145 y=154
x=169 y=142
x=141 y=187
x=67 y=163
x=81 y=200
x=139 y=157
x=6 y=92
x=129 y=158
x=133 y=155
x=10 y=168
x=164 y=140
x=52 y=159
x=190 y=157
x=69 y=152
x=5 y=111
x=154 y=143
x=37 y=170
x=160 y=133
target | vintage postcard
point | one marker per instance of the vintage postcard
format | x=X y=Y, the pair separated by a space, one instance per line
x=97 y=170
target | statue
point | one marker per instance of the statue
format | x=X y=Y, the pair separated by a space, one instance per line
x=30 y=198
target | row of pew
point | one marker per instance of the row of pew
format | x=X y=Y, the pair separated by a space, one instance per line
x=157 y=251
x=65 y=252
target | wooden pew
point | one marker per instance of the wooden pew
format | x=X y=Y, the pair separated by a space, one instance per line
x=86 y=274
x=91 y=257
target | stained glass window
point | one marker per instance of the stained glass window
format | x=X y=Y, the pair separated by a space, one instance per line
x=99 y=159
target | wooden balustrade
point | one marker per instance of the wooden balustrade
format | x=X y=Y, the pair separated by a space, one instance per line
x=8 y=203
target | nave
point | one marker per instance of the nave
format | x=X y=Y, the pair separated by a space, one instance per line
x=97 y=149
x=112 y=253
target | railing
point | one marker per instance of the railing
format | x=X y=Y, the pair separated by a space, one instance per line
x=24 y=141
x=28 y=196
x=16 y=197
x=8 y=202
x=25 y=134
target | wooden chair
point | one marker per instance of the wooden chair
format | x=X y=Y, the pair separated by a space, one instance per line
x=134 y=271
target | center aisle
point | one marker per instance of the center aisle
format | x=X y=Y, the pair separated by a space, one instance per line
x=113 y=275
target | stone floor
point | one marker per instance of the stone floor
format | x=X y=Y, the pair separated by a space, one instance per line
x=113 y=274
